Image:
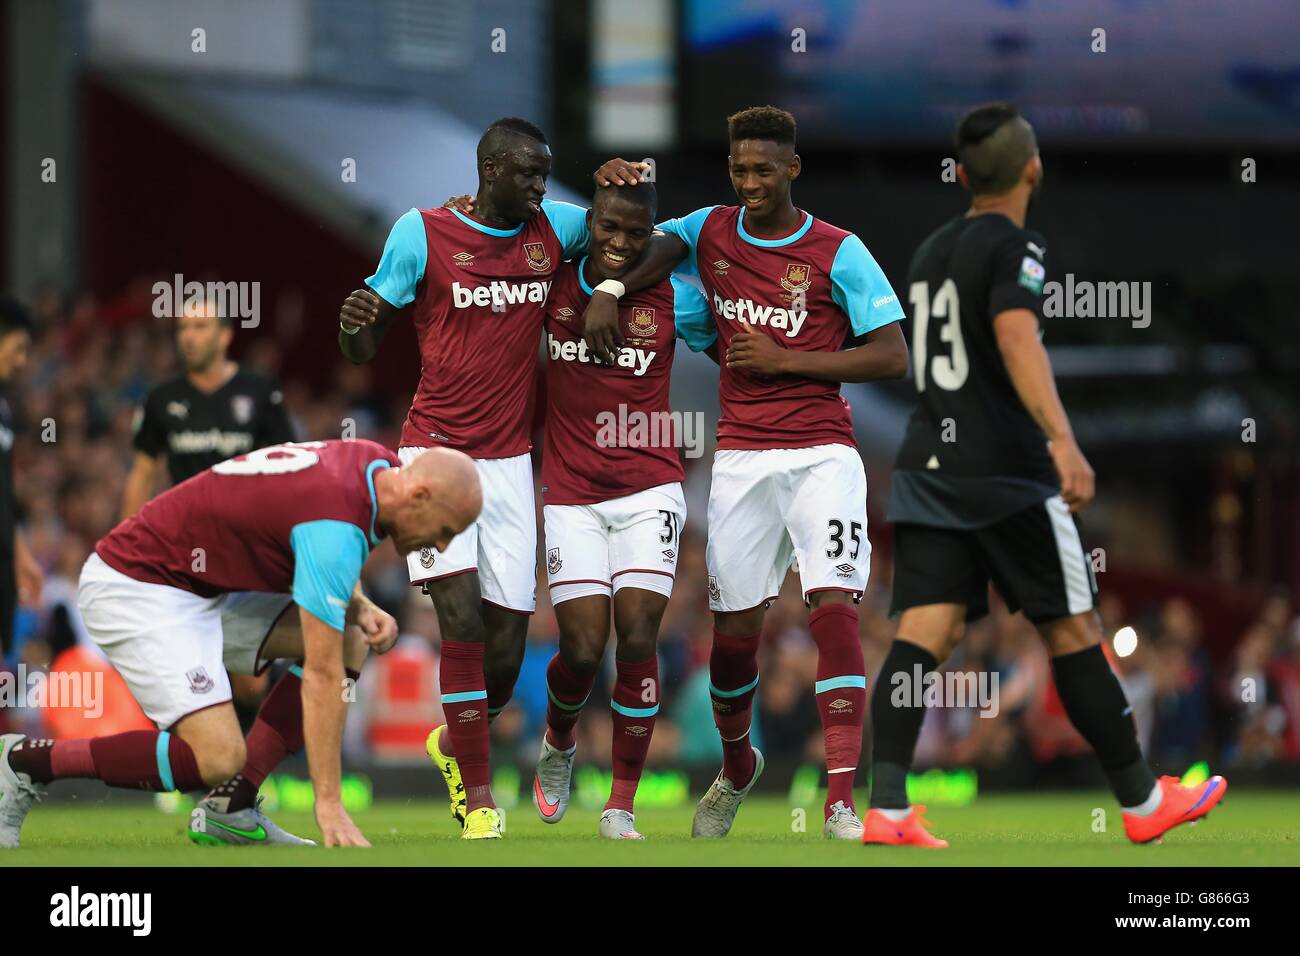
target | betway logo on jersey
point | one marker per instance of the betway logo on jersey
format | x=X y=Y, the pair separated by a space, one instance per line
x=499 y=294
x=638 y=360
x=750 y=312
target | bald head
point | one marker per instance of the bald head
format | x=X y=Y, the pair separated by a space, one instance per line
x=428 y=502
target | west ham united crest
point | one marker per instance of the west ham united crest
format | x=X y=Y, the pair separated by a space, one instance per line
x=200 y=682
x=643 y=322
x=538 y=260
x=553 y=562
x=796 y=278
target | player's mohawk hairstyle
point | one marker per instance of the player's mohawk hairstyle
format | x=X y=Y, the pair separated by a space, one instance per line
x=993 y=144
x=762 y=122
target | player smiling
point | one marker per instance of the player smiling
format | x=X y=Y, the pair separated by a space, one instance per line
x=474 y=286
x=613 y=508
x=787 y=291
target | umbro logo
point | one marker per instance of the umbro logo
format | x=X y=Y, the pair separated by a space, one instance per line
x=564 y=312
x=466 y=715
x=722 y=265
x=669 y=554
x=637 y=730
x=462 y=258
x=845 y=569
x=839 y=705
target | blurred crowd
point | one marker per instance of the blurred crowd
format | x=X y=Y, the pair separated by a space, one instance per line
x=91 y=366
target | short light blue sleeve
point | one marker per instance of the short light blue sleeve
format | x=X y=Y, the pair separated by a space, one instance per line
x=860 y=288
x=687 y=229
x=570 y=225
x=327 y=559
x=401 y=266
x=692 y=315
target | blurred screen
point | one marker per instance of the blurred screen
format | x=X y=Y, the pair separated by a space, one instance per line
x=904 y=70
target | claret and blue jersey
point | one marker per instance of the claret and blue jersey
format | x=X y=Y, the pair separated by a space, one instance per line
x=297 y=518
x=586 y=458
x=812 y=290
x=477 y=295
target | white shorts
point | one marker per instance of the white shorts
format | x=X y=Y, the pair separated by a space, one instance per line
x=628 y=542
x=501 y=545
x=777 y=508
x=171 y=646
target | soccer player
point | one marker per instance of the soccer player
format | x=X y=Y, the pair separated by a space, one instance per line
x=213 y=411
x=199 y=581
x=613 y=500
x=987 y=481
x=787 y=292
x=476 y=287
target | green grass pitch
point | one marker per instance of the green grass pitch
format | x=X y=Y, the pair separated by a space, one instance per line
x=1251 y=828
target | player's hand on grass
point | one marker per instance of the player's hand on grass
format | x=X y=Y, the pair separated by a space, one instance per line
x=755 y=352
x=600 y=327
x=620 y=172
x=360 y=310
x=336 y=826
x=463 y=204
x=378 y=627
x=1078 y=483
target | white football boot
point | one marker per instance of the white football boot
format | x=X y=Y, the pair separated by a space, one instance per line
x=17 y=793
x=618 y=825
x=842 y=824
x=553 y=782
x=717 y=810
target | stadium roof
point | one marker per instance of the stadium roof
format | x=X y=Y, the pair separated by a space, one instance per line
x=296 y=138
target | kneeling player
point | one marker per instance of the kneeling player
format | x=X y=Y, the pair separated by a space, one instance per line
x=197 y=581
x=613 y=502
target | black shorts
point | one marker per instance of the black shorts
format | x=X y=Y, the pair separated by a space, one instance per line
x=1035 y=558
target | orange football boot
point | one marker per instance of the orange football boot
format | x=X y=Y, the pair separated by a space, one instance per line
x=1178 y=805
x=910 y=831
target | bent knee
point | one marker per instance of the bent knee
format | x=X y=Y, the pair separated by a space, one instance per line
x=218 y=761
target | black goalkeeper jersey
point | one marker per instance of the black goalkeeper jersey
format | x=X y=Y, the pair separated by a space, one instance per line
x=198 y=430
x=972 y=454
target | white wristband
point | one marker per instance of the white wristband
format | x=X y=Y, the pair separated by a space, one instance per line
x=349 y=331
x=612 y=286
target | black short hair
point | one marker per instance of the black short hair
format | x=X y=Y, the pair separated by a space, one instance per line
x=496 y=137
x=993 y=144
x=14 y=316
x=762 y=122
x=642 y=194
